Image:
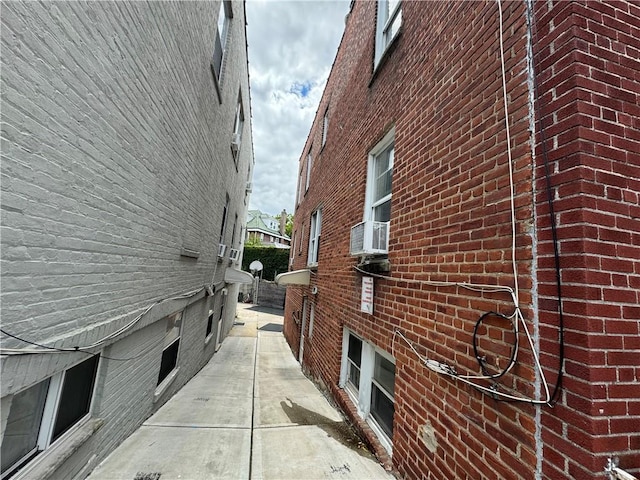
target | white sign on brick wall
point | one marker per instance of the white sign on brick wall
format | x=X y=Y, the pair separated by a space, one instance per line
x=366 y=300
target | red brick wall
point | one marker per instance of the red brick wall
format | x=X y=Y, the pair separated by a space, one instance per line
x=587 y=57
x=441 y=87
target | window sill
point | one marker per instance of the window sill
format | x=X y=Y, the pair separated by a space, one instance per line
x=160 y=389
x=385 y=441
x=207 y=339
x=45 y=464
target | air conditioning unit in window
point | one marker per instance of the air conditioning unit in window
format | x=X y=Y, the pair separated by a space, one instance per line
x=234 y=255
x=235 y=142
x=369 y=238
x=222 y=250
x=249 y=187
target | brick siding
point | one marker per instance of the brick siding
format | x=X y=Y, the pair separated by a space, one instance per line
x=440 y=87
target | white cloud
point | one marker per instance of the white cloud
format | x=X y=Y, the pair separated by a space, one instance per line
x=292 y=45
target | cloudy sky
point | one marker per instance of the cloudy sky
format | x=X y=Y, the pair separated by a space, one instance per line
x=292 y=45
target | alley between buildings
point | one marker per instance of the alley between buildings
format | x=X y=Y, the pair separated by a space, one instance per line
x=249 y=413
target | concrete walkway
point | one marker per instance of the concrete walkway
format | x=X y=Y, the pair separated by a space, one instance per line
x=248 y=414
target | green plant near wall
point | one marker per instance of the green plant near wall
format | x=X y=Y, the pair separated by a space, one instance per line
x=274 y=260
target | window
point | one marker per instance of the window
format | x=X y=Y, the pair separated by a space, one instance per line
x=368 y=376
x=224 y=18
x=41 y=414
x=301 y=240
x=223 y=225
x=171 y=346
x=378 y=203
x=314 y=237
x=238 y=126
x=299 y=196
x=387 y=26
x=209 y=325
x=382 y=387
x=325 y=126
x=309 y=164
x=354 y=361
x=233 y=233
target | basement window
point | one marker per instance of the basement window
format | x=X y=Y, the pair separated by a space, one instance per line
x=44 y=412
x=368 y=376
x=169 y=361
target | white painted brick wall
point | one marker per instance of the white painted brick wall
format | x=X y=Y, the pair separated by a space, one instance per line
x=115 y=155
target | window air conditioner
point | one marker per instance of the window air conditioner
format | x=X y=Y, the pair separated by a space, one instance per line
x=234 y=255
x=221 y=250
x=369 y=238
x=248 y=187
x=235 y=142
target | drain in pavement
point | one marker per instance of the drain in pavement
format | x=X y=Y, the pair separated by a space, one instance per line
x=147 y=476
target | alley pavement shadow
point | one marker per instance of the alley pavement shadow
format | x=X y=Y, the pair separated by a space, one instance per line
x=269 y=310
x=339 y=431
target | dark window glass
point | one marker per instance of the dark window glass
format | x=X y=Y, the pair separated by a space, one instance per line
x=23 y=425
x=382 y=410
x=355 y=350
x=169 y=360
x=75 y=399
x=209 y=325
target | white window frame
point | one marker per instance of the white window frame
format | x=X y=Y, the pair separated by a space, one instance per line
x=225 y=216
x=171 y=375
x=315 y=229
x=52 y=404
x=309 y=165
x=238 y=127
x=385 y=32
x=299 y=196
x=361 y=397
x=325 y=126
x=301 y=240
x=220 y=43
x=210 y=320
x=381 y=147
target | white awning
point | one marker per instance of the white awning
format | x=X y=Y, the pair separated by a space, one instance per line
x=232 y=275
x=297 y=277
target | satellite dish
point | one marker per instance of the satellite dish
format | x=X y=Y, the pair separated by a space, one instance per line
x=256 y=266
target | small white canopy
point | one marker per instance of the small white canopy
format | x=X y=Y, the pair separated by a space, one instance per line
x=297 y=277
x=232 y=275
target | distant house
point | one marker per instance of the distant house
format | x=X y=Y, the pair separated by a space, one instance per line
x=467 y=288
x=126 y=152
x=269 y=230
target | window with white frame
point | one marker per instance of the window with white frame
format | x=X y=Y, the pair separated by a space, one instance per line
x=209 y=330
x=299 y=194
x=233 y=233
x=379 y=179
x=238 y=126
x=309 y=164
x=42 y=413
x=368 y=376
x=224 y=19
x=314 y=237
x=171 y=348
x=325 y=126
x=388 y=24
x=223 y=224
